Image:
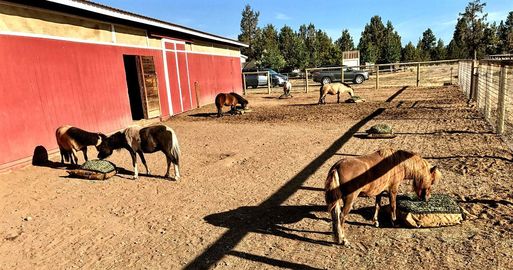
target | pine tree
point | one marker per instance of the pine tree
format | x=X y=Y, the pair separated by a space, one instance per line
x=308 y=35
x=505 y=33
x=270 y=52
x=287 y=42
x=439 y=52
x=457 y=48
x=345 y=42
x=391 y=49
x=409 y=53
x=327 y=53
x=491 y=39
x=476 y=24
x=426 y=45
x=248 y=28
x=370 y=44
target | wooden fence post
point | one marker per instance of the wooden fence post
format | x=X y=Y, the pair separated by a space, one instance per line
x=451 y=76
x=244 y=82
x=268 y=83
x=377 y=76
x=501 y=108
x=472 y=82
x=418 y=75
x=342 y=69
x=306 y=79
x=196 y=86
x=489 y=83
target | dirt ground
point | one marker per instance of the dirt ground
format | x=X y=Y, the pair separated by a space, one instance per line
x=251 y=193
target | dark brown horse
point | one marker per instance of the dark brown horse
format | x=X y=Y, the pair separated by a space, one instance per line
x=71 y=140
x=229 y=99
x=371 y=175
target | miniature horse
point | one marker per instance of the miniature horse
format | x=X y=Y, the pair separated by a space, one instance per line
x=371 y=175
x=229 y=99
x=334 y=89
x=71 y=139
x=144 y=140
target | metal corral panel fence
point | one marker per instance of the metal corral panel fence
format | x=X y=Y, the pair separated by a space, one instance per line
x=489 y=83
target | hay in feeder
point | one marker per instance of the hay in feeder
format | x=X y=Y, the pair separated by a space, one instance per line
x=354 y=99
x=380 y=131
x=95 y=170
x=440 y=210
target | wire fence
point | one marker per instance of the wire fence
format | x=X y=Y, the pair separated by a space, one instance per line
x=418 y=74
x=489 y=83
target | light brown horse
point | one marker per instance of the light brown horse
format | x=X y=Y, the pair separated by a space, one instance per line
x=334 y=89
x=229 y=99
x=371 y=175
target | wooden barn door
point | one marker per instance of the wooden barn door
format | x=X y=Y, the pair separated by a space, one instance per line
x=150 y=86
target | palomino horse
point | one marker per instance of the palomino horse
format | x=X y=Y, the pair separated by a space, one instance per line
x=71 y=139
x=372 y=174
x=334 y=89
x=144 y=140
x=229 y=99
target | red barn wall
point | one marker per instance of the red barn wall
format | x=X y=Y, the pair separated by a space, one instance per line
x=48 y=83
x=214 y=74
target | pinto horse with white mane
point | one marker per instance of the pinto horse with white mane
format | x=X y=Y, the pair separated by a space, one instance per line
x=140 y=140
x=334 y=89
x=371 y=175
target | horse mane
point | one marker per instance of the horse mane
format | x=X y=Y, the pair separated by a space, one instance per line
x=239 y=98
x=346 y=84
x=117 y=140
x=415 y=167
x=82 y=137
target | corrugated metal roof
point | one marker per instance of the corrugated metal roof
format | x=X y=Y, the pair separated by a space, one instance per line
x=132 y=17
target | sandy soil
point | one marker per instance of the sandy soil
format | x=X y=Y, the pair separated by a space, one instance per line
x=251 y=193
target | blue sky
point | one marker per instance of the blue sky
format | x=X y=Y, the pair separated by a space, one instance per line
x=222 y=17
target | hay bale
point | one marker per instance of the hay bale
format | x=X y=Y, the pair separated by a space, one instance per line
x=95 y=170
x=440 y=210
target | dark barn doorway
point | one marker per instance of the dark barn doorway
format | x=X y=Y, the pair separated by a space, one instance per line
x=133 y=75
x=142 y=83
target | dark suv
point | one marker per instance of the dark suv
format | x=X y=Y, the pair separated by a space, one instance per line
x=255 y=80
x=333 y=75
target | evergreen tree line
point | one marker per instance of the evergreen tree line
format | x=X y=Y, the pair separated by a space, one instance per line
x=287 y=49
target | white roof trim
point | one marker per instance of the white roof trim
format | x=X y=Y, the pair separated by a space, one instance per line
x=92 y=7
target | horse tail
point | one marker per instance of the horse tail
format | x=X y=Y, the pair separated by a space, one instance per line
x=333 y=196
x=175 y=148
x=219 y=104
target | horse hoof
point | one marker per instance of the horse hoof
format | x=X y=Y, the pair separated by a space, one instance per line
x=135 y=177
x=376 y=224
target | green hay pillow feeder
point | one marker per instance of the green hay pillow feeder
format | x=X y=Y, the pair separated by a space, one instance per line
x=440 y=210
x=95 y=170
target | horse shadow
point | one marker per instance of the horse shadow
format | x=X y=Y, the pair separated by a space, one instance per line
x=304 y=104
x=367 y=213
x=270 y=221
x=40 y=159
x=128 y=174
x=205 y=115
